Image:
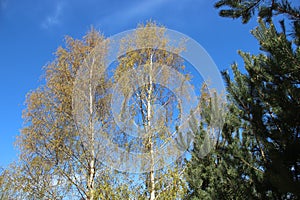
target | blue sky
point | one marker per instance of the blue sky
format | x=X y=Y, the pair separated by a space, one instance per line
x=31 y=31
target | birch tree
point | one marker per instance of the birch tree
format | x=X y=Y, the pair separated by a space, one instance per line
x=86 y=122
x=150 y=93
x=52 y=142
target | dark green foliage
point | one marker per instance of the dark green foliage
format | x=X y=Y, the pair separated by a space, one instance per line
x=229 y=171
x=238 y=8
x=266 y=9
x=257 y=155
x=245 y=9
x=268 y=97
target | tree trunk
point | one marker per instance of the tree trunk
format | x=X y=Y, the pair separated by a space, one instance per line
x=91 y=169
x=149 y=131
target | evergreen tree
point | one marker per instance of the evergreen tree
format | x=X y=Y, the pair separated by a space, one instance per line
x=268 y=94
x=268 y=98
x=257 y=155
x=229 y=170
x=265 y=9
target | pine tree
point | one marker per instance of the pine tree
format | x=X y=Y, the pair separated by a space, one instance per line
x=268 y=97
x=268 y=94
x=259 y=146
x=228 y=171
x=265 y=9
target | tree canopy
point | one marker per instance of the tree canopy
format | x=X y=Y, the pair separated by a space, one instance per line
x=64 y=153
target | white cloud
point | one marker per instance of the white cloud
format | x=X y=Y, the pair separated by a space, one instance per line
x=54 y=18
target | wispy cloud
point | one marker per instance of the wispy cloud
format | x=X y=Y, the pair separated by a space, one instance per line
x=3 y=4
x=124 y=15
x=54 y=18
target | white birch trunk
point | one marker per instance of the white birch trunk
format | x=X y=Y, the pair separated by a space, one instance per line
x=152 y=178
x=91 y=172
